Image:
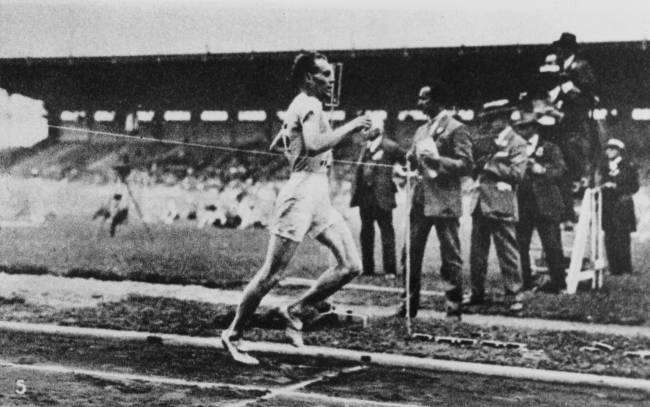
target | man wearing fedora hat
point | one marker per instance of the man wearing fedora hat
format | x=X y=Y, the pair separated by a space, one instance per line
x=442 y=154
x=577 y=82
x=495 y=211
x=540 y=203
x=620 y=180
x=574 y=95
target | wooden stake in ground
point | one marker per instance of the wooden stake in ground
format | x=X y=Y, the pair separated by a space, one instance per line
x=407 y=245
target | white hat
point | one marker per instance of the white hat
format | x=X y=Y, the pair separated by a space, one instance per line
x=616 y=143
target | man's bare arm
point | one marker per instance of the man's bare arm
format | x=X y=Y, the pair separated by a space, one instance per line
x=317 y=142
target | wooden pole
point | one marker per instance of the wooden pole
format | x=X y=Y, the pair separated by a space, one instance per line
x=407 y=245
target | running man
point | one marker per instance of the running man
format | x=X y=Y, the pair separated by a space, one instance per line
x=303 y=206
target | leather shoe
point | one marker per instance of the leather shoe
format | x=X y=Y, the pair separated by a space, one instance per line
x=454 y=310
x=549 y=288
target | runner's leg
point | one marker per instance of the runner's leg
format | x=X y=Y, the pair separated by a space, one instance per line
x=279 y=253
x=339 y=240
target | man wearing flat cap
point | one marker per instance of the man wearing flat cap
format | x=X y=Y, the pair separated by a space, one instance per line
x=540 y=203
x=495 y=210
x=442 y=154
x=620 y=180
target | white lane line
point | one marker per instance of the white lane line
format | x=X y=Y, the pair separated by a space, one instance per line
x=288 y=391
x=326 y=375
x=129 y=376
x=381 y=359
x=293 y=388
x=306 y=282
x=347 y=402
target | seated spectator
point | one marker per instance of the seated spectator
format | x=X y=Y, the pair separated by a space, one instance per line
x=190 y=181
x=211 y=215
x=171 y=213
x=246 y=210
x=265 y=198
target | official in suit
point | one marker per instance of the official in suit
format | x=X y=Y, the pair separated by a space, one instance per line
x=495 y=211
x=578 y=136
x=373 y=191
x=620 y=180
x=540 y=203
x=442 y=154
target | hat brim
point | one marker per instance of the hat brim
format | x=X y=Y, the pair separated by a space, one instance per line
x=615 y=147
x=615 y=143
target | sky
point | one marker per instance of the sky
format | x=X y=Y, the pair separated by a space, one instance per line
x=51 y=28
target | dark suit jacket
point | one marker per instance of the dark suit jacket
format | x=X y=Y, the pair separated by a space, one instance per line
x=576 y=104
x=504 y=168
x=441 y=196
x=380 y=178
x=539 y=194
x=618 y=205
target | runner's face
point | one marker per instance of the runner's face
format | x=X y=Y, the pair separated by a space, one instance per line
x=321 y=81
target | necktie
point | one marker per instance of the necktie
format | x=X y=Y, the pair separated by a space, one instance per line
x=367 y=169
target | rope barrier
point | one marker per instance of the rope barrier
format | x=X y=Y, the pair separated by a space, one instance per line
x=202 y=145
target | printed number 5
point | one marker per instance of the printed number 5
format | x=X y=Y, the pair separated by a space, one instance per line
x=21 y=388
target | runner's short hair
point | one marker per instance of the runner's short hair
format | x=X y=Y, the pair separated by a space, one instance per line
x=304 y=63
